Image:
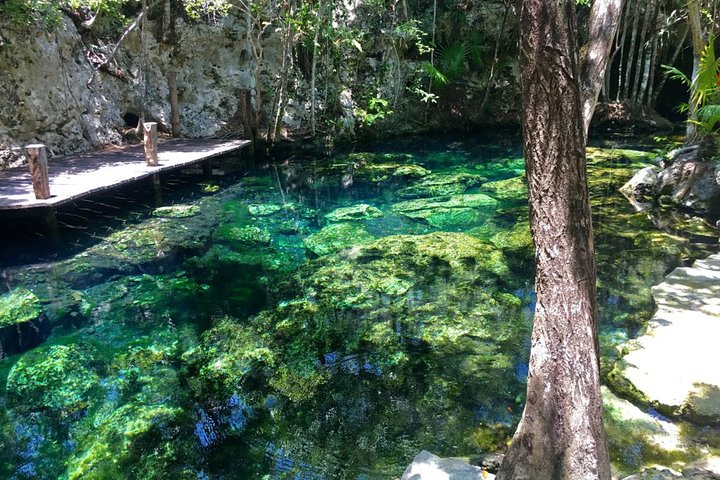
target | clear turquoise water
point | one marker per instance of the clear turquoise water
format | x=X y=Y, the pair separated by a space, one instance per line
x=308 y=318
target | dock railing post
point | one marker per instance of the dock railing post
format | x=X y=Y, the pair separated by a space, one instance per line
x=151 y=143
x=37 y=161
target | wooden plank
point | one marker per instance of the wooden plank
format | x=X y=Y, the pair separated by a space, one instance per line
x=77 y=176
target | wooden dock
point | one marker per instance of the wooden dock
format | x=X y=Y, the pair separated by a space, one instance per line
x=77 y=176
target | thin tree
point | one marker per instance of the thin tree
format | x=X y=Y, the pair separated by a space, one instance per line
x=560 y=435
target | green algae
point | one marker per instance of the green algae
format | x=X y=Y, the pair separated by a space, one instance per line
x=18 y=306
x=362 y=211
x=177 y=211
x=57 y=378
x=512 y=189
x=441 y=184
x=263 y=210
x=465 y=210
x=242 y=236
x=336 y=237
x=389 y=346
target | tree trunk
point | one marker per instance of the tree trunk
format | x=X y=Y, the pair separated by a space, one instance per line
x=313 y=71
x=631 y=56
x=635 y=87
x=602 y=26
x=649 y=53
x=698 y=42
x=625 y=21
x=654 y=94
x=174 y=108
x=560 y=435
x=496 y=58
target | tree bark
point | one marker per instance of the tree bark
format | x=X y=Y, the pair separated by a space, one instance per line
x=698 y=43
x=635 y=87
x=174 y=107
x=622 y=50
x=631 y=56
x=681 y=44
x=604 y=17
x=560 y=435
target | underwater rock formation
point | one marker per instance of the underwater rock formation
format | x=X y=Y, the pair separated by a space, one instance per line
x=23 y=324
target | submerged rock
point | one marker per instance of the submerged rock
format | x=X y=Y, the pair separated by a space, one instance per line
x=57 y=378
x=23 y=324
x=514 y=189
x=441 y=184
x=263 y=209
x=456 y=210
x=239 y=236
x=177 y=211
x=361 y=211
x=336 y=237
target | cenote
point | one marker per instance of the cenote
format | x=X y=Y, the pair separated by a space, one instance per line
x=309 y=317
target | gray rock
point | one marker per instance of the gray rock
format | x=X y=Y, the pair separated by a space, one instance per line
x=489 y=461
x=427 y=466
x=642 y=184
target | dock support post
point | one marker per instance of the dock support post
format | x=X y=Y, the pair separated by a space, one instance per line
x=157 y=188
x=207 y=168
x=150 y=139
x=37 y=160
x=52 y=226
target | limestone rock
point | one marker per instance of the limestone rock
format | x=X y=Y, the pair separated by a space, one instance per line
x=673 y=365
x=361 y=211
x=336 y=237
x=23 y=325
x=427 y=466
x=642 y=185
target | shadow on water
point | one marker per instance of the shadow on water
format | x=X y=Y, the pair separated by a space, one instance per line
x=313 y=318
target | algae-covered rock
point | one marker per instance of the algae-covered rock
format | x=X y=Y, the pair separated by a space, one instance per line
x=248 y=235
x=514 y=189
x=361 y=211
x=18 y=306
x=57 y=378
x=456 y=210
x=133 y=441
x=336 y=237
x=23 y=324
x=441 y=184
x=380 y=311
x=177 y=211
x=263 y=209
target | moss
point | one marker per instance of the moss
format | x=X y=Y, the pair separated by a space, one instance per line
x=177 y=211
x=56 y=377
x=336 y=237
x=441 y=184
x=360 y=211
x=18 y=306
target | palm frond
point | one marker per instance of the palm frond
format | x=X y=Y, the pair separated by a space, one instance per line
x=437 y=77
x=676 y=74
x=708 y=117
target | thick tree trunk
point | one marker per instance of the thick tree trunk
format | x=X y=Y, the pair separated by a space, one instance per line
x=561 y=435
x=602 y=27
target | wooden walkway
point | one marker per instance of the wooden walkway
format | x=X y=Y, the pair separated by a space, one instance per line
x=77 y=176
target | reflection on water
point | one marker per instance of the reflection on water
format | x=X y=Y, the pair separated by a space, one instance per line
x=316 y=318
